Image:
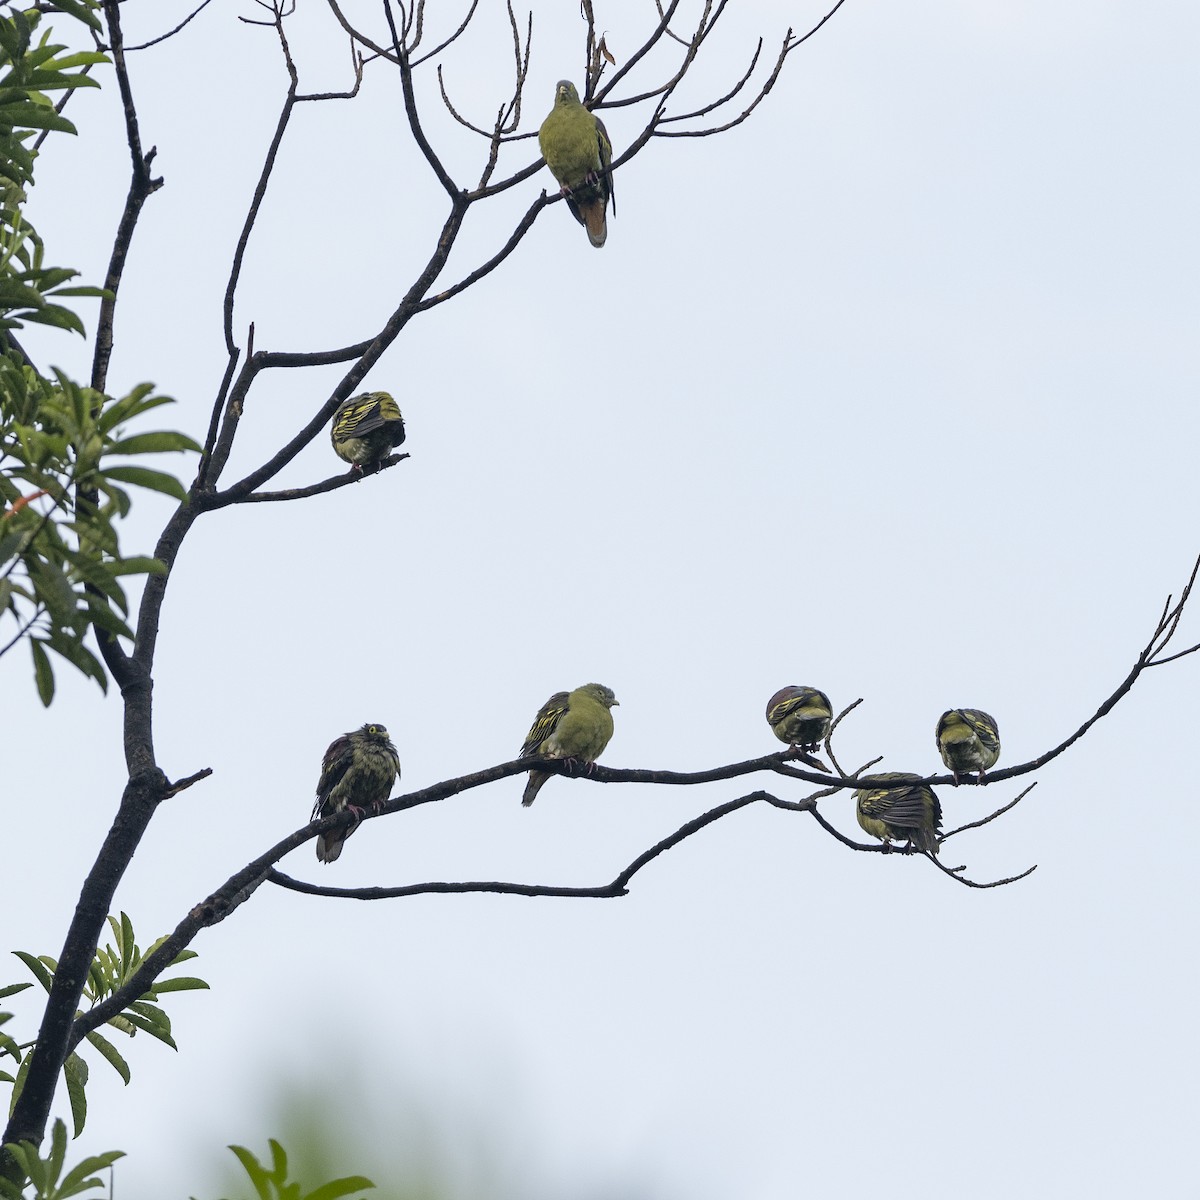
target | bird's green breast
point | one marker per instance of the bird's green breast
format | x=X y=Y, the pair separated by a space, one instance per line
x=569 y=144
x=584 y=731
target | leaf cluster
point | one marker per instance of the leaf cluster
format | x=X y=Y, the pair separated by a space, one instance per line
x=44 y=1173
x=63 y=452
x=32 y=70
x=110 y=969
x=273 y=1184
x=60 y=564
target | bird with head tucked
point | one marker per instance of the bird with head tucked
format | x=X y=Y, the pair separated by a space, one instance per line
x=366 y=429
x=578 y=152
x=570 y=725
x=907 y=811
x=968 y=740
x=800 y=716
x=357 y=773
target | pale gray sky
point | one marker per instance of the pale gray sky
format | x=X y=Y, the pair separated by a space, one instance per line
x=891 y=391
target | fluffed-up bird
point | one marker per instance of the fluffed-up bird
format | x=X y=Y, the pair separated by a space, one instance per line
x=908 y=812
x=574 y=725
x=358 y=772
x=578 y=151
x=800 y=716
x=968 y=740
x=366 y=429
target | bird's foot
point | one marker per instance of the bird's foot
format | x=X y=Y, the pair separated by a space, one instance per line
x=982 y=777
x=358 y=812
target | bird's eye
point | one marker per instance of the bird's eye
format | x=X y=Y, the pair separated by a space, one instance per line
x=372 y=728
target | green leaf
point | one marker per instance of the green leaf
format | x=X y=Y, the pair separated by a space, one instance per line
x=122 y=1024
x=110 y=1054
x=336 y=1188
x=153 y=443
x=184 y=983
x=128 y=945
x=19 y=1083
x=43 y=673
x=11 y=990
x=156 y=481
x=256 y=1171
x=44 y=975
x=75 y=1071
x=76 y=1180
x=153 y=1028
x=138 y=565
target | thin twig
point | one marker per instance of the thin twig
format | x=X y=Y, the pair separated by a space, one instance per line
x=998 y=813
x=328 y=485
x=172 y=32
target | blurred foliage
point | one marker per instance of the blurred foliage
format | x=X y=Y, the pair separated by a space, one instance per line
x=415 y=1141
x=273 y=1184
x=112 y=966
x=43 y=1174
x=60 y=562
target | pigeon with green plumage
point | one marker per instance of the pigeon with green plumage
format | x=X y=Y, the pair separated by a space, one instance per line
x=909 y=812
x=357 y=773
x=800 y=716
x=578 y=152
x=570 y=725
x=968 y=740
x=366 y=429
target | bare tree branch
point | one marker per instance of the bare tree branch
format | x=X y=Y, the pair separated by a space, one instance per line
x=450 y=40
x=414 y=117
x=991 y=816
x=328 y=485
x=172 y=32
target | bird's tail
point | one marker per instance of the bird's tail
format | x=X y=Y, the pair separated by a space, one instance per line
x=329 y=845
x=536 y=779
x=594 y=220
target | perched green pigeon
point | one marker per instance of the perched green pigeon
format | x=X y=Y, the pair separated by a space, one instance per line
x=908 y=812
x=357 y=773
x=967 y=740
x=578 y=152
x=800 y=716
x=366 y=428
x=570 y=725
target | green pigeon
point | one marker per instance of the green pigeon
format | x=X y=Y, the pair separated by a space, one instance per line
x=968 y=739
x=800 y=716
x=912 y=813
x=570 y=725
x=357 y=773
x=578 y=152
x=366 y=428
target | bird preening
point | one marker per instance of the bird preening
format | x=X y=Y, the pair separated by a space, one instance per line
x=366 y=429
x=358 y=772
x=570 y=725
x=908 y=812
x=968 y=739
x=800 y=716
x=578 y=151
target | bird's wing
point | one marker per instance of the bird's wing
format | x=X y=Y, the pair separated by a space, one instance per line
x=545 y=723
x=606 y=160
x=334 y=765
x=368 y=414
x=983 y=726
